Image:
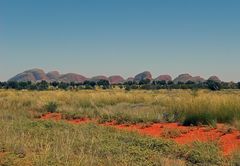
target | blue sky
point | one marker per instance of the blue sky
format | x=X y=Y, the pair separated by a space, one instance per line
x=95 y=37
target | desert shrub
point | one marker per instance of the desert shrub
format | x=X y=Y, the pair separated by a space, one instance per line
x=51 y=107
x=199 y=118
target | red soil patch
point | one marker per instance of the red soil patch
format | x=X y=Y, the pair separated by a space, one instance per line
x=52 y=116
x=79 y=121
x=228 y=140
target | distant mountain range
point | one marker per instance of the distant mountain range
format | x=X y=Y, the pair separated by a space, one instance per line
x=36 y=75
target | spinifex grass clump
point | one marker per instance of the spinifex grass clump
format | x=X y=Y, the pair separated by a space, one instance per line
x=51 y=107
x=199 y=118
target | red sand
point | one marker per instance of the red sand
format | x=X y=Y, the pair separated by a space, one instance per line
x=229 y=141
x=79 y=121
x=52 y=116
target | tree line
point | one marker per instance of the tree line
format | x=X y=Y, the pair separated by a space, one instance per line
x=155 y=85
x=44 y=85
x=129 y=85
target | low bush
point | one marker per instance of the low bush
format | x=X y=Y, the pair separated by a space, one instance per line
x=51 y=107
x=199 y=118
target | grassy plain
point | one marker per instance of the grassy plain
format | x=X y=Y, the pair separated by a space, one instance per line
x=26 y=140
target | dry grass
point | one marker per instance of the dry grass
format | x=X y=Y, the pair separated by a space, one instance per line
x=26 y=141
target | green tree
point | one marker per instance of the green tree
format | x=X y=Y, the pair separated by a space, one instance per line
x=63 y=85
x=24 y=85
x=43 y=85
x=104 y=84
x=144 y=82
x=213 y=85
x=89 y=84
x=12 y=84
x=238 y=85
x=55 y=84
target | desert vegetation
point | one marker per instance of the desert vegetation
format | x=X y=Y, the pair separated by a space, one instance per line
x=127 y=85
x=28 y=139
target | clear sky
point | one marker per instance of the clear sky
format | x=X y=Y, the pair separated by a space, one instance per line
x=95 y=37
